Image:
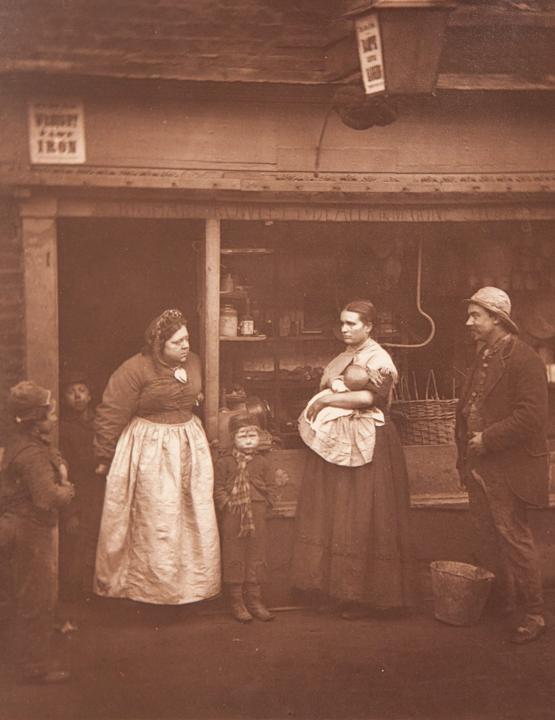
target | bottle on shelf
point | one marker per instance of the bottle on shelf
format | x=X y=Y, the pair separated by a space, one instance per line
x=246 y=323
x=228 y=283
x=268 y=324
x=284 y=325
x=257 y=317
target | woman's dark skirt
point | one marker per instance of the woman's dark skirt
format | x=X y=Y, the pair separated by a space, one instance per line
x=351 y=540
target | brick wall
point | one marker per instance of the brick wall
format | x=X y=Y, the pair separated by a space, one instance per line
x=11 y=308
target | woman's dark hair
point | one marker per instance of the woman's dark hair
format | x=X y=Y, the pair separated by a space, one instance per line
x=364 y=308
x=162 y=328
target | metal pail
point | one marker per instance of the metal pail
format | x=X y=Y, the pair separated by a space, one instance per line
x=460 y=591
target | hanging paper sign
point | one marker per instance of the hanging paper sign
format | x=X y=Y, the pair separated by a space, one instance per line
x=56 y=132
x=370 y=53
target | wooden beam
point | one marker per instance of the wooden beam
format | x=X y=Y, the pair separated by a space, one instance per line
x=478 y=16
x=339 y=186
x=210 y=321
x=409 y=207
x=473 y=82
x=41 y=301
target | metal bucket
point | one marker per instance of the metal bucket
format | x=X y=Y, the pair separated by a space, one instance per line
x=460 y=591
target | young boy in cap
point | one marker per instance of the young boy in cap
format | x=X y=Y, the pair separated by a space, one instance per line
x=244 y=488
x=34 y=486
x=80 y=523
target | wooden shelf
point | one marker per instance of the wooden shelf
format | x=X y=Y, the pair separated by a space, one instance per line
x=243 y=338
x=279 y=338
x=304 y=338
x=234 y=294
x=246 y=251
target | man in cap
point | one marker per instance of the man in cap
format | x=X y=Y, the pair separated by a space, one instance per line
x=502 y=454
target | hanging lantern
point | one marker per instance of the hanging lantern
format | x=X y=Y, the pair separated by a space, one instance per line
x=399 y=43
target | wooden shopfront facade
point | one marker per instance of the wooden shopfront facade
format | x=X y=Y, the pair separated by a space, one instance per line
x=181 y=179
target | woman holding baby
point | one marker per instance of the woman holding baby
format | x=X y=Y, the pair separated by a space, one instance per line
x=351 y=545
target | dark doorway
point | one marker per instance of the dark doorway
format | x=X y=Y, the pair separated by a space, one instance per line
x=114 y=277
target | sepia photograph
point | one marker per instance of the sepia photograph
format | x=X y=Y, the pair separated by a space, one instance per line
x=277 y=359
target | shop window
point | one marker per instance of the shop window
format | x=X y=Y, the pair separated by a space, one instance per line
x=292 y=279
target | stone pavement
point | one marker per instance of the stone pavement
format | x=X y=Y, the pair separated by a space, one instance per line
x=143 y=662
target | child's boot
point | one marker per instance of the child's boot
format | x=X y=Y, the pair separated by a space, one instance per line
x=255 y=605
x=237 y=604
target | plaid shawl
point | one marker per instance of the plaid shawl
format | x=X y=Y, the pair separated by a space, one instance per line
x=240 y=500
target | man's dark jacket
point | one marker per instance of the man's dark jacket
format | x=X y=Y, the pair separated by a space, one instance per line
x=515 y=413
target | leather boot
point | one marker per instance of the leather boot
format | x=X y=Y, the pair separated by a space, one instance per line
x=253 y=601
x=237 y=604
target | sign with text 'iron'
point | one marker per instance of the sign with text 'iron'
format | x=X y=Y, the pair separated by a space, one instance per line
x=56 y=132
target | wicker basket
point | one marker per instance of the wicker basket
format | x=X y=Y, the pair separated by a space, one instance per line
x=425 y=422
x=430 y=421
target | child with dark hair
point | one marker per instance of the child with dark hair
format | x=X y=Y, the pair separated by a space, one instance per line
x=80 y=521
x=245 y=487
x=34 y=486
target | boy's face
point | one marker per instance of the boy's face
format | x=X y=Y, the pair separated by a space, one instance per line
x=247 y=439
x=77 y=396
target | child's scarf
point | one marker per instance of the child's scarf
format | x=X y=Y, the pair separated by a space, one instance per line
x=240 y=500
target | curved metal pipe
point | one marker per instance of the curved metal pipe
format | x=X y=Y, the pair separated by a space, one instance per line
x=418 y=307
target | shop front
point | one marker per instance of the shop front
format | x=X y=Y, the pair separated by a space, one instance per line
x=263 y=296
x=215 y=207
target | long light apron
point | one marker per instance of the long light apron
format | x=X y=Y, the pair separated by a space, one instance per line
x=159 y=538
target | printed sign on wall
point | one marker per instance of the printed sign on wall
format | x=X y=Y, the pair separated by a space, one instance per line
x=56 y=132
x=370 y=53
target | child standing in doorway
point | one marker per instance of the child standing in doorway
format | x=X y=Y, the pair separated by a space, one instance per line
x=80 y=523
x=245 y=487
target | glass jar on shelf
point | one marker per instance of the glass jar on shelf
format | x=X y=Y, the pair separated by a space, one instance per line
x=228 y=321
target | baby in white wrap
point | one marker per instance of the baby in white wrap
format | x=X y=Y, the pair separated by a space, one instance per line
x=345 y=436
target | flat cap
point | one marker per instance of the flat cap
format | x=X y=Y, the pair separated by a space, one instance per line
x=27 y=401
x=236 y=422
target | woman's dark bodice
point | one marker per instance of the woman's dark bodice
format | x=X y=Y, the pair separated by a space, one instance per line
x=142 y=387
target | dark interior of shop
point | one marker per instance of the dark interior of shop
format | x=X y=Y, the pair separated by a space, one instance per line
x=115 y=276
x=292 y=279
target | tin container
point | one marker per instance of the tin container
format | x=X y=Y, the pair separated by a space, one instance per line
x=246 y=326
